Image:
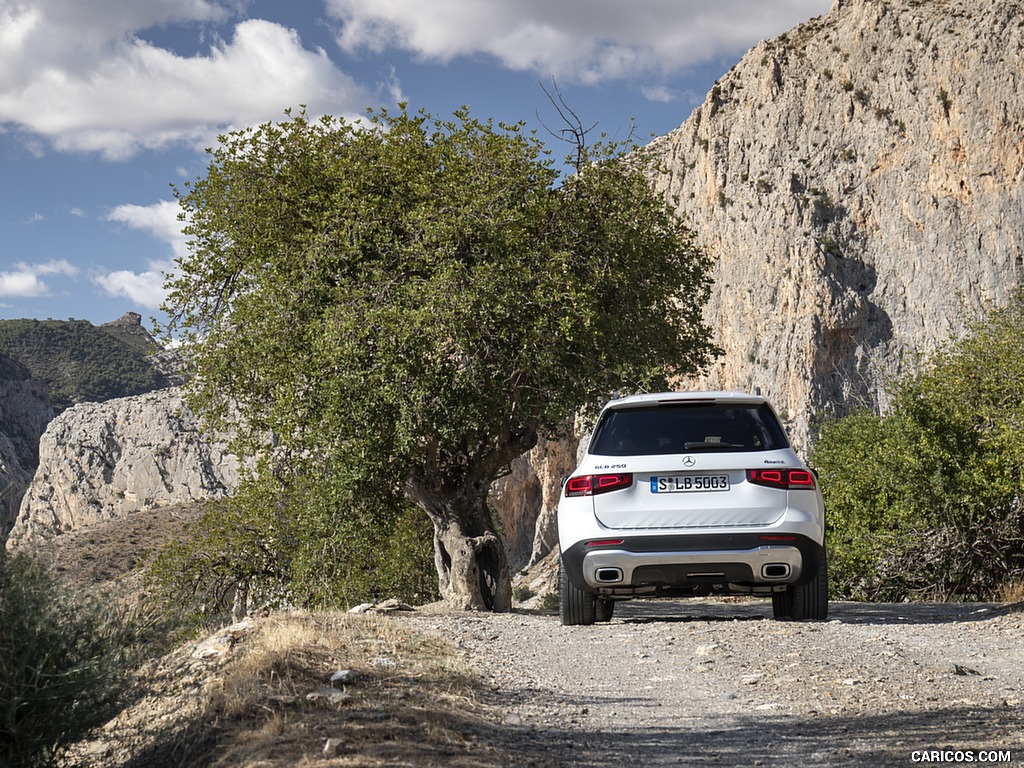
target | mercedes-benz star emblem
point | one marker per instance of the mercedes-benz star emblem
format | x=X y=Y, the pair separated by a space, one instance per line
x=689 y=461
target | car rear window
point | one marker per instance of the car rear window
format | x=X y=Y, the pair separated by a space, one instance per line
x=687 y=428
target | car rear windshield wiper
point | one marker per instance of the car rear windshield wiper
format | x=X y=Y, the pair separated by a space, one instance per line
x=712 y=446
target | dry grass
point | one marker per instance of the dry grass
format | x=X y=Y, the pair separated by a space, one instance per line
x=1010 y=592
x=412 y=702
x=294 y=653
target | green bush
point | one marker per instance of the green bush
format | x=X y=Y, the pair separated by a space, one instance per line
x=306 y=540
x=65 y=663
x=925 y=501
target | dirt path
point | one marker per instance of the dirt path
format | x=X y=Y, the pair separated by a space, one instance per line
x=719 y=683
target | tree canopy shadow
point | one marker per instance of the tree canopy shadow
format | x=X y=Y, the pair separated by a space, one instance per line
x=646 y=611
x=856 y=740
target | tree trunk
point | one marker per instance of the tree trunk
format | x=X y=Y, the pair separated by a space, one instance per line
x=470 y=556
x=472 y=565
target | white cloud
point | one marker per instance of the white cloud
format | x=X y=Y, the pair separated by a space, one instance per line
x=57 y=267
x=582 y=40
x=145 y=289
x=659 y=93
x=81 y=74
x=394 y=87
x=159 y=220
x=25 y=280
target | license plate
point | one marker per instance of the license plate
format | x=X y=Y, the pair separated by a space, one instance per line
x=689 y=483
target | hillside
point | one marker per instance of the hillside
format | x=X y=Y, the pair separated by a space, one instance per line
x=82 y=362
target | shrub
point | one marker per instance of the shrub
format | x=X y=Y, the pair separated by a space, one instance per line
x=65 y=660
x=926 y=501
x=304 y=540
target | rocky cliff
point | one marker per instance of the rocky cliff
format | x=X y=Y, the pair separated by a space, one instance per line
x=24 y=413
x=99 y=461
x=527 y=497
x=858 y=183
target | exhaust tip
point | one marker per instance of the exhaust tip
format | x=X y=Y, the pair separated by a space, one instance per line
x=775 y=571
x=609 y=575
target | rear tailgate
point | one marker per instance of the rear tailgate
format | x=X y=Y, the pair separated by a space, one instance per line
x=706 y=490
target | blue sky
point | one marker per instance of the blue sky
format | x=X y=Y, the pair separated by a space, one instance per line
x=105 y=104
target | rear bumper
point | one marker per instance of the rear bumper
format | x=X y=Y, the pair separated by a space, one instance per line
x=645 y=563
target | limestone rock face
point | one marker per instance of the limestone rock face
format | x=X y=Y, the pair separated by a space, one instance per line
x=858 y=183
x=527 y=497
x=25 y=411
x=99 y=461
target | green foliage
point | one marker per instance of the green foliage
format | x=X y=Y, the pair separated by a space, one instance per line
x=417 y=299
x=64 y=663
x=373 y=285
x=926 y=501
x=297 y=541
x=79 y=361
x=230 y=548
x=350 y=551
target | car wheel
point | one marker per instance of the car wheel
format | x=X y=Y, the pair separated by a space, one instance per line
x=574 y=605
x=805 y=602
x=603 y=609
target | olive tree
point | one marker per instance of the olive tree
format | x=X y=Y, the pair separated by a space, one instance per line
x=411 y=301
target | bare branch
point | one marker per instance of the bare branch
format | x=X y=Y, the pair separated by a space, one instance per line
x=574 y=133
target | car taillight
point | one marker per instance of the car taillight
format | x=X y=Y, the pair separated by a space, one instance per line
x=787 y=479
x=591 y=485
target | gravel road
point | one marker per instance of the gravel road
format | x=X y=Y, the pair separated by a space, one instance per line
x=719 y=683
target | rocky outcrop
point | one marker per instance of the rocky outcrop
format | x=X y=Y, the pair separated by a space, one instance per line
x=24 y=413
x=526 y=498
x=99 y=461
x=858 y=184
x=129 y=330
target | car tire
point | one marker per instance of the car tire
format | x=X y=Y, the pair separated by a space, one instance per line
x=603 y=609
x=805 y=602
x=574 y=605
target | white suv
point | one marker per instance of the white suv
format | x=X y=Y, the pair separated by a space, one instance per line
x=688 y=494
